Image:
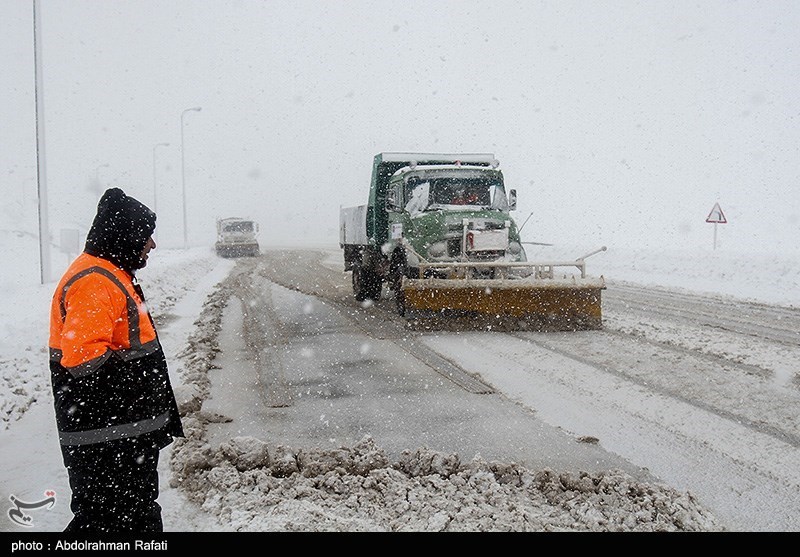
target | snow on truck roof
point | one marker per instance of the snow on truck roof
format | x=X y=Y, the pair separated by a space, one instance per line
x=420 y=158
x=433 y=167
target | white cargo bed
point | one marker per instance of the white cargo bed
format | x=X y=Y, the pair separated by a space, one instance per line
x=353 y=226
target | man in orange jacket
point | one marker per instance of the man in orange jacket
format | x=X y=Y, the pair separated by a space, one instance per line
x=114 y=405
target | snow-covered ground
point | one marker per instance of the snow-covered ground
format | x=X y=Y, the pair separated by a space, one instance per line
x=179 y=282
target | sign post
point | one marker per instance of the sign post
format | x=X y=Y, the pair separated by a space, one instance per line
x=716 y=216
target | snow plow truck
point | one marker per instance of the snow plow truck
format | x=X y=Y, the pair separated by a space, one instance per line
x=236 y=237
x=437 y=230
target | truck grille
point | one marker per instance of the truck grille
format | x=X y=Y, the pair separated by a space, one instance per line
x=486 y=255
x=454 y=250
x=454 y=247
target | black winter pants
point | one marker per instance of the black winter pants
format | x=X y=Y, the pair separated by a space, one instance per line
x=114 y=487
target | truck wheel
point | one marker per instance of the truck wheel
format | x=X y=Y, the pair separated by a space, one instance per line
x=398 y=270
x=374 y=286
x=400 y=301
x=358 y=286
x=366 y=284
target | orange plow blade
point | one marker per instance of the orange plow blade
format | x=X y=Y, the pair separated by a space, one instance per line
x=538 y=304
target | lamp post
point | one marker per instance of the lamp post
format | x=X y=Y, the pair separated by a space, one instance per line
x=183 y=175
x=155 y=183
x=44 y=223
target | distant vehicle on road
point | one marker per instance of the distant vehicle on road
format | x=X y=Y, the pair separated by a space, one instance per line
x=236 y=237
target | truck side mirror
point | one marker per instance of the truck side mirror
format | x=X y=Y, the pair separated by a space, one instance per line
x=512 y=200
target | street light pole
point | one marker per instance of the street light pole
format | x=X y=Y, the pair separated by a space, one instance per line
x=183 y=175
x=44 y=222
x=155 y=183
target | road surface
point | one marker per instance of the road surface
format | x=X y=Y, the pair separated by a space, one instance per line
x=699 y=393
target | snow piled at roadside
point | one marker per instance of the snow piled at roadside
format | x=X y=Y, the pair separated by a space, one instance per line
x=770 y=278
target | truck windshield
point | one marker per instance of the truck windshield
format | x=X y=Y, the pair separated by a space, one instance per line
x=461 y=191
x=443 y=191
x=240 y=227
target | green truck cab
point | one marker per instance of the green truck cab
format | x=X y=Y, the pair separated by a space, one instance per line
x=443 y=216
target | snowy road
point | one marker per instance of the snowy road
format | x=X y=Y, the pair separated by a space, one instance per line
x=701 y=392
x=324 y=372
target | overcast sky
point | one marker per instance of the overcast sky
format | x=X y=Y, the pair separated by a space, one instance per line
x=618 y=122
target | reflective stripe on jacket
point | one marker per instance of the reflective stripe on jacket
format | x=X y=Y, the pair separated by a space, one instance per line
x=109 y=372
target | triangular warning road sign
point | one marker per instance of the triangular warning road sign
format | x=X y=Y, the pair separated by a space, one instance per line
x=716 y=215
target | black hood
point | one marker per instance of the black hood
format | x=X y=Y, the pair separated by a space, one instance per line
x=120 y=230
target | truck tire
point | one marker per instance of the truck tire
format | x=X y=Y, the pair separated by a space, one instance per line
x=400 y=301
x=397 y=270
x=366 y=284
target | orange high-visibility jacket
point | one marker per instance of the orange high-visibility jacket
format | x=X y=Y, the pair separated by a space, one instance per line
x=95 y=313
x=109 y=372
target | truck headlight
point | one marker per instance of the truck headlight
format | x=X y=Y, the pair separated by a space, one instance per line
x=515 y=248
x=437 y=249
